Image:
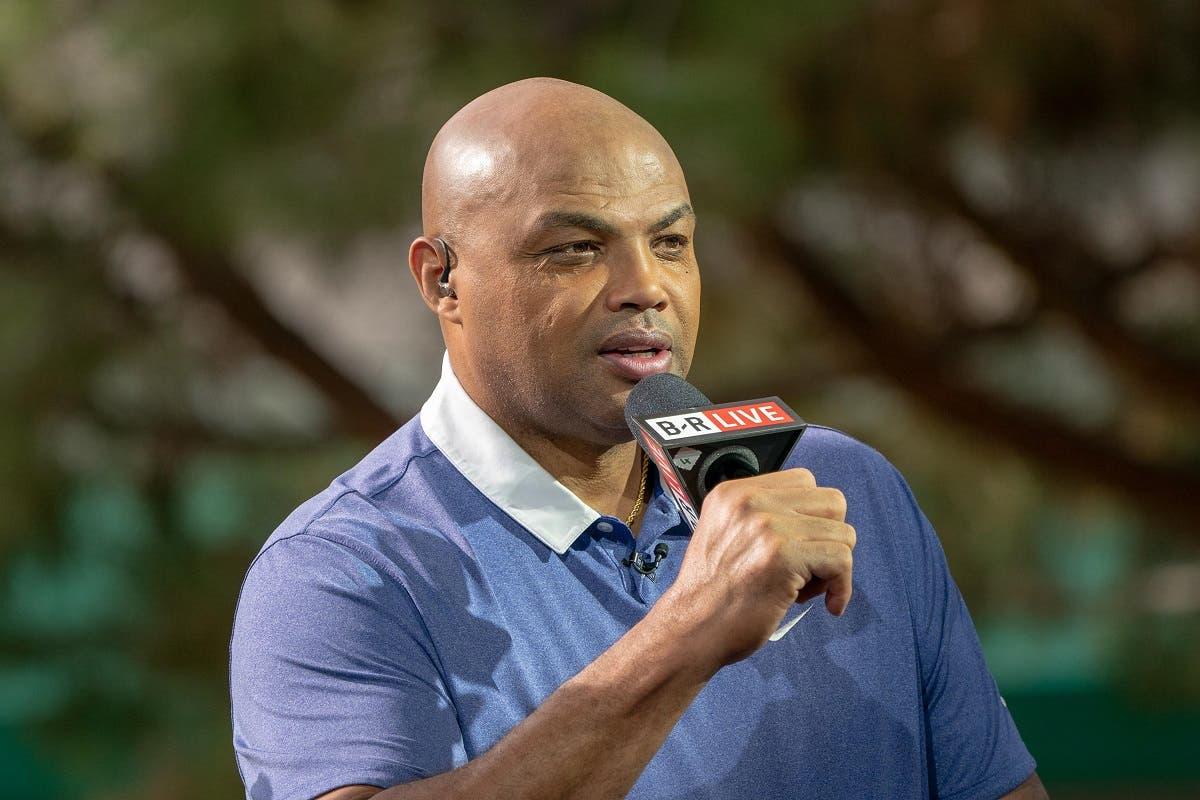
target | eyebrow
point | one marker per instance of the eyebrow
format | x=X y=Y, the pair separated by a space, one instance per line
x=578 y=219
x=573 y=219
x=671 y=217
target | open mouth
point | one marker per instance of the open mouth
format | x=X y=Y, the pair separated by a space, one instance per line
x=649 y=352
x=635 y=354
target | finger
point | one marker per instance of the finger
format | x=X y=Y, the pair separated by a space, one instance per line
x=837 y=596
x=814 y=501
x=804 y=528
x=828 y=561
x=813 y=588
x=801 y=475
x=822 y=501
x=794 y=477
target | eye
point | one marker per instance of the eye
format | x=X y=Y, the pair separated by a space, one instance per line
x=574 y=254
x=673 y=243
x=578 y=248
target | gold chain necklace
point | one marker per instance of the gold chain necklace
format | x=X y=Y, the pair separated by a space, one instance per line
x=637 y=505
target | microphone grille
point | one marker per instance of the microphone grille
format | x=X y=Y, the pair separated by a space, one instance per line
x=662 y=393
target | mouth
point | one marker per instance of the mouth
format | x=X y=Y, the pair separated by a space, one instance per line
x=636 y=354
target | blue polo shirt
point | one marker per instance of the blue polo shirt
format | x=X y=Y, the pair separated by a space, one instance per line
x=402 y=621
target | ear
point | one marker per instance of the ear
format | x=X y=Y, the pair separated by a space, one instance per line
x=425 y=264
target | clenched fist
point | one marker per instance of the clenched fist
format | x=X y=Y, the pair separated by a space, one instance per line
x=762 y=544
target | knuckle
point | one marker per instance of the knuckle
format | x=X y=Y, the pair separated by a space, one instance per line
x=827 y=502
x=838 y=502
x=805 y=475
x=737 y=499
x=759 y=525
x=852 y=534
x=723 y=496
x=772 y=544
x=845 y=558
x=717 y=494
x=767 y=552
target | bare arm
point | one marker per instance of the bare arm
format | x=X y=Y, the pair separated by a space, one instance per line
x=614 y=706
x=762 y=544
x=1031 y=789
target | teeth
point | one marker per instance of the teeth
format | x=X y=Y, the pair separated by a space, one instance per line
x=650 y=353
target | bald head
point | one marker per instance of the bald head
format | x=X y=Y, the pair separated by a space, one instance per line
x=534 y=133
x=570 y=222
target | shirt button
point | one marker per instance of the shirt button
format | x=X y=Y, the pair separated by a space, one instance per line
x=604 y=527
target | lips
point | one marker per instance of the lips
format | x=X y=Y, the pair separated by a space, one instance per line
x=635 y=354
x=637 y=339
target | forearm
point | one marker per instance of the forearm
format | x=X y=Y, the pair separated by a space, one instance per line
x=595 y=735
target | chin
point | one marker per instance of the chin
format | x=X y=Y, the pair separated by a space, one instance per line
x=606 y=425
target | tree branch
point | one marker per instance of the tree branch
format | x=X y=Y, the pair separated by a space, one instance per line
x=1167 y=492
x=211 y=273
x=1051 y=264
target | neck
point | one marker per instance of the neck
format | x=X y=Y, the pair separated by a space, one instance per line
x=606 y=478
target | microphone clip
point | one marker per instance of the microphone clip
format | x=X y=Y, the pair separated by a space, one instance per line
x=643 y=565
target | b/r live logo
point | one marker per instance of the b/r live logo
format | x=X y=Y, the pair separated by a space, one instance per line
x=720 y=420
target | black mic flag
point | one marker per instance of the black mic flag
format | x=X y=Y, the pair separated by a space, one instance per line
x=697 y=445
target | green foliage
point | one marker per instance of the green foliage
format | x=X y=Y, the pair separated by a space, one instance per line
x=152 y=438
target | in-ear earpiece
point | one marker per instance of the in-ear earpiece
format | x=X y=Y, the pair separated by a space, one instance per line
x=446 y=255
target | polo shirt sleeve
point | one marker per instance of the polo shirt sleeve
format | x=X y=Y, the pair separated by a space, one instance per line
x=333 y=676
x=974 y=749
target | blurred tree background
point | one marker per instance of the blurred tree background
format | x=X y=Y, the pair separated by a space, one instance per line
x=966 y=232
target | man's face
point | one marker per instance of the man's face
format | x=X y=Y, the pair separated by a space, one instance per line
x=574 y=284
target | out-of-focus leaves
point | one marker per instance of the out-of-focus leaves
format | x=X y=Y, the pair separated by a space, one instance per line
x=193 y=197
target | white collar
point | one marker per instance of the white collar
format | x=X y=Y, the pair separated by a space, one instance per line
x=499 y=468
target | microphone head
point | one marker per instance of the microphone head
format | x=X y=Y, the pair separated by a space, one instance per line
x=661 y=394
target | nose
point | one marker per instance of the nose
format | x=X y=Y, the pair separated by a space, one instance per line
x=635 y=281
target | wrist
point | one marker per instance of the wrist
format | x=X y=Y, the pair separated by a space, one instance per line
x=661 y=652
x=683 y=634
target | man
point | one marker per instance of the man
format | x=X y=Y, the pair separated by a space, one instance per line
x=452 y=619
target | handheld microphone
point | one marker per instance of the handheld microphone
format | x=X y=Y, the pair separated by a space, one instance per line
x=697 y=445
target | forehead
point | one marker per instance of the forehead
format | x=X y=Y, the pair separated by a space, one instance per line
x=603 y=159
x=619 y=179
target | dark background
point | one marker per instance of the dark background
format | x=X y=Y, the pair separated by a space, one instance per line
x=965 y=232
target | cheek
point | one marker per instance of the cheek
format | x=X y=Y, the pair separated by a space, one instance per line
x=687 y=299
x=554 y=328
x=560 y=310
x=687 y=313
x=529 y=332
x=498 y=320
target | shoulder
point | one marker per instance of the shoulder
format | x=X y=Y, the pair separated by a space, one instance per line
x=347 y=512
x=880 y=503
x=346 y=532
x=339 y=573
x=835 y=458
